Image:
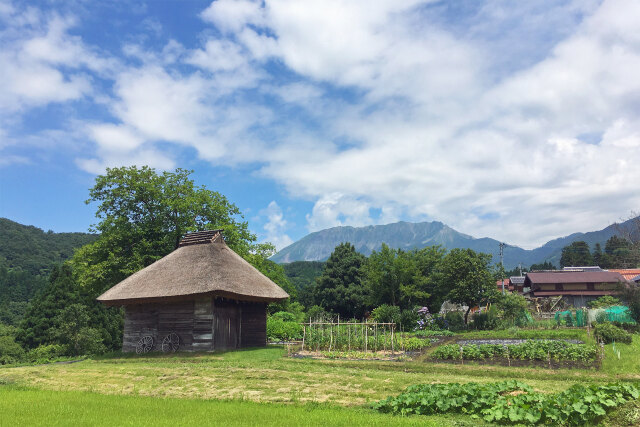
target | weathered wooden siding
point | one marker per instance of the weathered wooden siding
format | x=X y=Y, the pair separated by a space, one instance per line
x=226 y=324
x=204 y=324
x=254 y=325
x=158 y=320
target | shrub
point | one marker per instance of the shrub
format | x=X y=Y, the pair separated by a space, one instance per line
x=603 y=302
x=454 y=320
x=10 y=350
x=609 y=333
x=386 y=314
x=279 y=330
x=408 y=320
x=285 y=316
x=316 y=314
x=45 y=353
x=487 y=320
x=512 y=305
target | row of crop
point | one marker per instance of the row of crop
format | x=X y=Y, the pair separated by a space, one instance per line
x=349 y=337
x=511 y=402
x=528 y=350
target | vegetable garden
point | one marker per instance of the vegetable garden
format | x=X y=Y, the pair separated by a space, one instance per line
x=360 y=337
x=511 y=402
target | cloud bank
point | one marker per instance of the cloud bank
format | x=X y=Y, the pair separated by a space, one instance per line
x=517 y=121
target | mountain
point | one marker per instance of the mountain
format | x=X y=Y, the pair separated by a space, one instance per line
x=406 y=235
x=27 y=255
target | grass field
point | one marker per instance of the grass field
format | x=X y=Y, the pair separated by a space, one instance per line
x=292 y=388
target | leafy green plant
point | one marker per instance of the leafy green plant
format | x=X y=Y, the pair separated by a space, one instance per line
x=609 y=333
x=281 y=330
x=528 y=350
x=414 y=344
x=603 y=302
x=511 y=402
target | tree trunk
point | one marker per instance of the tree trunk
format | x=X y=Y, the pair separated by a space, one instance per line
x=466 y=316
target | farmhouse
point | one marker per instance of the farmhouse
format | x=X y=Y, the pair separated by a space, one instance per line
x=576 y=287
x=201 y=297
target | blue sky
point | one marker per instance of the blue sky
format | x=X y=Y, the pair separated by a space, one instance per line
x=515 y=120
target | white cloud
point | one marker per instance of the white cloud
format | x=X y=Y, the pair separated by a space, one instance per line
x=275 y=226
x=232 y=15
x=400 y=108
x=219 y=55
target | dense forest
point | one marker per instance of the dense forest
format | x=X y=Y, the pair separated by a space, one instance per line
x=27 y=257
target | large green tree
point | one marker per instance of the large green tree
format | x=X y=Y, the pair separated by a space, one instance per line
x=405 y=278
x=576 y=254
x=37 y=325
x=468 y=276
x=142 y=215
x=340 y=288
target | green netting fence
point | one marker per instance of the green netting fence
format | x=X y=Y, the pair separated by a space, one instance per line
x=570 y=318
x=618 y=313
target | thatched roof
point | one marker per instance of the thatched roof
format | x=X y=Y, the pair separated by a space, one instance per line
x=202 y=264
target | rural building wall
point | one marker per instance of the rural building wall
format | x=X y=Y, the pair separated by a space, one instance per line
x=203 y=324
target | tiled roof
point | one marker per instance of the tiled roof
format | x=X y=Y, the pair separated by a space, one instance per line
x=627 y=273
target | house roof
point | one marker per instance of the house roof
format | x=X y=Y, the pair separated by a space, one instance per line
x=507 y=285
x=627 y=273
x=585 y=293
x=517 y=280
x=202 y=264
x=542 y=277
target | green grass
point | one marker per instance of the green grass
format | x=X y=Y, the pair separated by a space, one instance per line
x=47 y=408
x=266 y=378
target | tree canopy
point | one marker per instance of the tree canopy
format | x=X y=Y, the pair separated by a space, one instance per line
x=340 y=288
x=467 y=274
x=576 y=254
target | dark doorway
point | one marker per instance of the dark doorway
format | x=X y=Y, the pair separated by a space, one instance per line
x=226 y=325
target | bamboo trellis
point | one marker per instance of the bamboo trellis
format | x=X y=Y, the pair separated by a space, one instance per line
x=348 y=336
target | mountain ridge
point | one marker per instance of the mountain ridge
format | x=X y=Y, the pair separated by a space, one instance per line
x=317 y=246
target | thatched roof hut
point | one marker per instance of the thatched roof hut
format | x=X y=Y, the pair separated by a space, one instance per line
x=203 y=292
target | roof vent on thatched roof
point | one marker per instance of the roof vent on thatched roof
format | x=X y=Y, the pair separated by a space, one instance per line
x=201 y=237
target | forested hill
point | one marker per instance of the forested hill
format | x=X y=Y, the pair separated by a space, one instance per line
x=35 y=251
x=405 y=235
x=27 y=255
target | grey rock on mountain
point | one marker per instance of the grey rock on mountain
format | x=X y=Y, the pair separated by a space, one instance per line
x=406 y=235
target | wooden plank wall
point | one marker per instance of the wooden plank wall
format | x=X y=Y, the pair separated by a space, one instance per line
x=139 y=320
x=202 y=325
x=254 y=325
x=158 y=320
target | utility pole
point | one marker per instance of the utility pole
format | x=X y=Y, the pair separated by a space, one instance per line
x=520 y=267
x=502 y=245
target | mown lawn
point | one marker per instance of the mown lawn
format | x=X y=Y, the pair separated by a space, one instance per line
x=256 y=377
